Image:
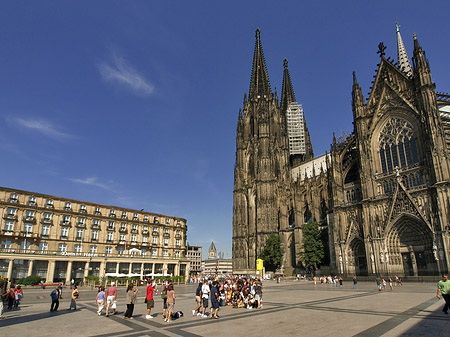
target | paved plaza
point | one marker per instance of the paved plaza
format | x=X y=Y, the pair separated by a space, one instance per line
x=291 y=308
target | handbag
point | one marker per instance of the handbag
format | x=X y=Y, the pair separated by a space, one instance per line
x=114 y=305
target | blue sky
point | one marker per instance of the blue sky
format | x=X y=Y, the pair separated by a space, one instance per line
x=135 y=103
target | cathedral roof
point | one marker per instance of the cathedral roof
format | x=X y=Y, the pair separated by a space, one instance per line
x=259 y=82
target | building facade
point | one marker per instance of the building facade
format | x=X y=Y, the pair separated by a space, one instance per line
x=381 y=195
x=59 y=239
x=216 y=264
x=194 y=254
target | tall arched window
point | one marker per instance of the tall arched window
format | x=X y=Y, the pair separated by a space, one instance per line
x=397 y=145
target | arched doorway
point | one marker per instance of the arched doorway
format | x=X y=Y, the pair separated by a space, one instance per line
x=409 y=243
x=356 y=258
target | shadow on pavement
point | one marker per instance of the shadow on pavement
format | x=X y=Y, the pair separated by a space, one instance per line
x=8 y=321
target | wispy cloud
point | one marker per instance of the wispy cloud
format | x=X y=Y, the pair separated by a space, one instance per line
x=122 y=73
x=92 y=181
x=42 y=126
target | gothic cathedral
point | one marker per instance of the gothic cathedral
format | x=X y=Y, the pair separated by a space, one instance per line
x=381 y=195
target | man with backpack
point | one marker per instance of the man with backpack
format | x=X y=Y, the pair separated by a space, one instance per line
x=164 y=297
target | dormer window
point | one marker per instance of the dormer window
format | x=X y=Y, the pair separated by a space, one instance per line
x=112 y=213
x=83 y=209
x=49 y=204
x=13 y=198
x=31 y=201
x=135 y=217
x=146 y=218
x=68 y=207
x=155 y=219
x=97 y=211
x=124 y=215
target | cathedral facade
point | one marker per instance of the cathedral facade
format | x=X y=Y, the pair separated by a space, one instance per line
x=381 y=195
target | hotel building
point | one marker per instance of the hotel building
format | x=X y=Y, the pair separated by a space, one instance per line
x=60 y=239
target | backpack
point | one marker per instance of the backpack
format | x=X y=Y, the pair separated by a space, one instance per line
x=164 y=294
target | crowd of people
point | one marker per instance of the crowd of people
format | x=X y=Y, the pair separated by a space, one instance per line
x=11 y=296
x=234 y=292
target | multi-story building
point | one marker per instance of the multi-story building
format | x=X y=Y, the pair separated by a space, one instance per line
x=215 y=265
x=59 y=239
x=382 y=192
x=194 y=254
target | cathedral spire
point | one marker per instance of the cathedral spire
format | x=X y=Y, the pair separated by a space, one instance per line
x=357 y=96
x=402 y=57
x=287 y=94
x=421 y=65
x=259 y=82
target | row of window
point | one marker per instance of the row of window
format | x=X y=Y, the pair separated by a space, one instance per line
x=14 y=199
x=78 y=248
x=30 y=216
x=28 y=229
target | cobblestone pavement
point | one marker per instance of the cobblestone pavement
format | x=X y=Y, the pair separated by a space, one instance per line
x=290 y=308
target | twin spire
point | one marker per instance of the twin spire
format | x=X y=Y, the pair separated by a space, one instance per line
x=259 y=82
x=402 y=57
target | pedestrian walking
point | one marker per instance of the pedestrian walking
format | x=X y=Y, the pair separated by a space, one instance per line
x=11 y=296
x=198 y=300
x=19 y=296
x=100 y=300
x=111 y=299
x=355 y=283
x=205 y=297
x=60 y=287
x=170 y=302
x=131 y=301
x=149 y=298
x=55 y=295
x=443 y=288
x=73 y=298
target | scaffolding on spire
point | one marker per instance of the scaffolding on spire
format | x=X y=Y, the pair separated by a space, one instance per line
x=295 y=128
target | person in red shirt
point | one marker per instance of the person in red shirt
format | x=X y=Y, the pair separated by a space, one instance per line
x=111 y=299
x=149 y=299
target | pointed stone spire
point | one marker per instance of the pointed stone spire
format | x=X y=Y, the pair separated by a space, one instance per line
x=259 y=82
x=357 y=98
x=422 y=70
x=402 y=57
x=287 y=94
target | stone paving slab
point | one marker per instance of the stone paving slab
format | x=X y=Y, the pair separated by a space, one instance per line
x=290 y=308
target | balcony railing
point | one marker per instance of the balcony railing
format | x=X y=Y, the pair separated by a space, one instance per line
x=64 y=223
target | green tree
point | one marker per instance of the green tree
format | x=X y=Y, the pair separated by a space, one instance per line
x=313 y=253
x=272 y=254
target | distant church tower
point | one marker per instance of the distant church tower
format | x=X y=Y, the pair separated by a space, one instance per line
x=262 y=182
x=212 y=252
